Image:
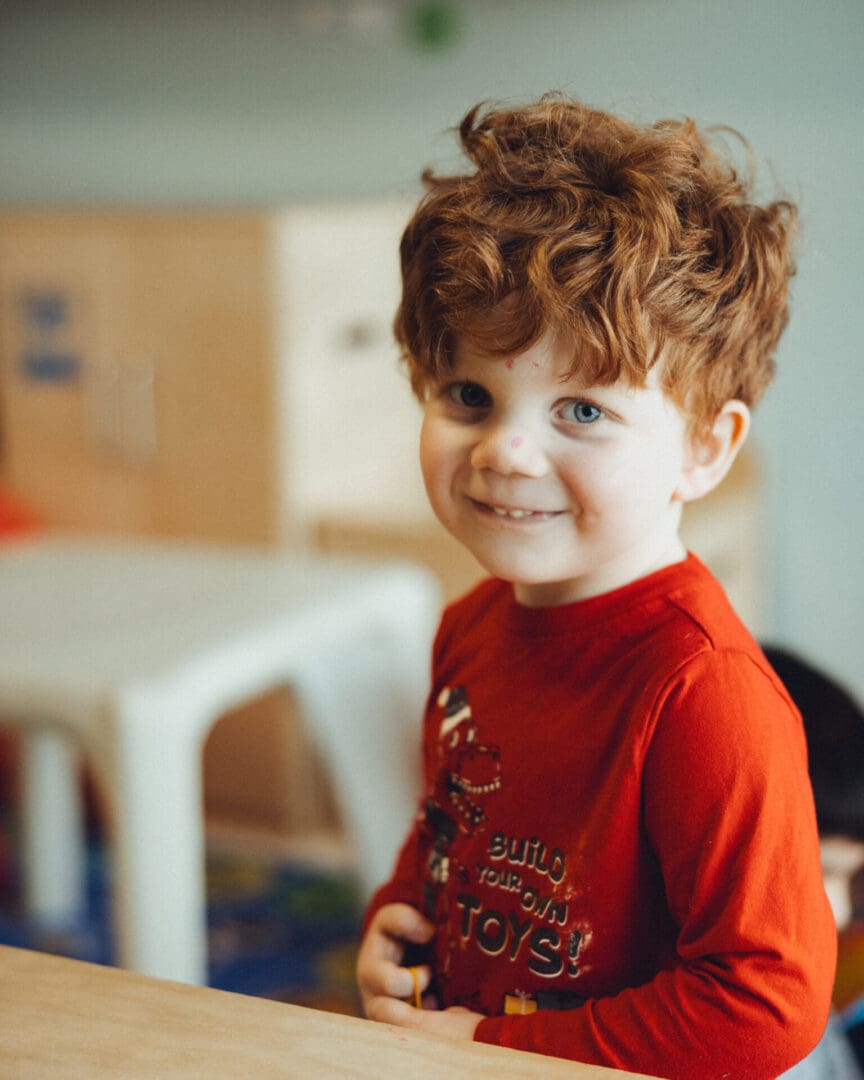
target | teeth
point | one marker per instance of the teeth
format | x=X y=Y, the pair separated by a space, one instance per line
x=501 y=512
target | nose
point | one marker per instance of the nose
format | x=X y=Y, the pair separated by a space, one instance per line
x=509 y=451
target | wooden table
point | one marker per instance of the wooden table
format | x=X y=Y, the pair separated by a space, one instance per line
x=65 y=1019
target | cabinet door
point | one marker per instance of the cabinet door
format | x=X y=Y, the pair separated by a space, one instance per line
x=63 y=315
x=201 y=323
x=136 y=372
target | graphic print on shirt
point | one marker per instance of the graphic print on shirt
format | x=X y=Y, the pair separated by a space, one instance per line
x=509 y=900
x=468 y=774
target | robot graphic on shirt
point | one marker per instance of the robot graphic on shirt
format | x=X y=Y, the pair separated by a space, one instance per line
x=469 y=773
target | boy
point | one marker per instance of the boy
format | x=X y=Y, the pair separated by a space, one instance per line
x=616 y=859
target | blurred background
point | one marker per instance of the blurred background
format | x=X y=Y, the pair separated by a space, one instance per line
x=200 y=206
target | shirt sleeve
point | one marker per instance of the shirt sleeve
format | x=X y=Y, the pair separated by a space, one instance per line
x=403 y=886
x=405 y=883
x=728 y=810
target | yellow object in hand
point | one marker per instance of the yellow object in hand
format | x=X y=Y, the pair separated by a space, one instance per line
x=418 y=998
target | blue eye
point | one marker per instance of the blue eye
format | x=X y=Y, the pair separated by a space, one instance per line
x=581 y=412
x=470 y=395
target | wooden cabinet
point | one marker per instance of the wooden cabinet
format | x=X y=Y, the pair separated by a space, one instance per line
x=137 y=373
x=211 y=375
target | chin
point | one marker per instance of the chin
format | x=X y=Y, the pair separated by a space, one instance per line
x=528 y=577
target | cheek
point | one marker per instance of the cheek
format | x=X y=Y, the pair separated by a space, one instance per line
x=429 y=453
x=437 y=460
x=596 y=476
x=621 y=480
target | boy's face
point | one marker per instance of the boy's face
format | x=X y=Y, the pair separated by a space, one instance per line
x=566 y=490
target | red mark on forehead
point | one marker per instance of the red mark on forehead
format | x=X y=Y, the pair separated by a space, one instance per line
x=516 y=441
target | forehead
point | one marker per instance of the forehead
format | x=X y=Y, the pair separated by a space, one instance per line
x=555 y=355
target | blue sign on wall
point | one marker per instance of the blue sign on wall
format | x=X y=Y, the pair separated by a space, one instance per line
x=49 y=353
x=51 y=367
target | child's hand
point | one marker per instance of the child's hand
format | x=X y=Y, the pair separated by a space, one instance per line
x=382 y=981
x=386 y=987
x=453 y=1023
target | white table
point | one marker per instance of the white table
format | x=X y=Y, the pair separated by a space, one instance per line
x=135 y=648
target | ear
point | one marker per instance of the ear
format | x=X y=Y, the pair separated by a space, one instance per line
x=710 y=452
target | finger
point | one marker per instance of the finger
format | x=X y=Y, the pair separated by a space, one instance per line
x=383 y=978
x=421 y=977
x=388 y=1010
x=380 y=947
x=407 y=983
x=454 y=1023
x=406 y=923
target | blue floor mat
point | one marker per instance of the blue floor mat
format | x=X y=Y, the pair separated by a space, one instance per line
x=280 y=930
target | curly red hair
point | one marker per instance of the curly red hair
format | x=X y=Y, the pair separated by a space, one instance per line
x=638 y=242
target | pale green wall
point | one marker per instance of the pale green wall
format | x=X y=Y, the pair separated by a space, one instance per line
x=241 y=103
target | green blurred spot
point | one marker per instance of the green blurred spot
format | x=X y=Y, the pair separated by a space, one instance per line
x=434 y=25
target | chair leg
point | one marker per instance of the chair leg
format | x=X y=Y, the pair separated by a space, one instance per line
x=54 y=847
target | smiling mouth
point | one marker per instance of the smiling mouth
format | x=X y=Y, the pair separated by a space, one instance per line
x=502 y=511
x=514 y=513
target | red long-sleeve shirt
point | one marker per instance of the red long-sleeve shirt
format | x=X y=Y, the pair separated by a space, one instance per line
x=618 y=813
